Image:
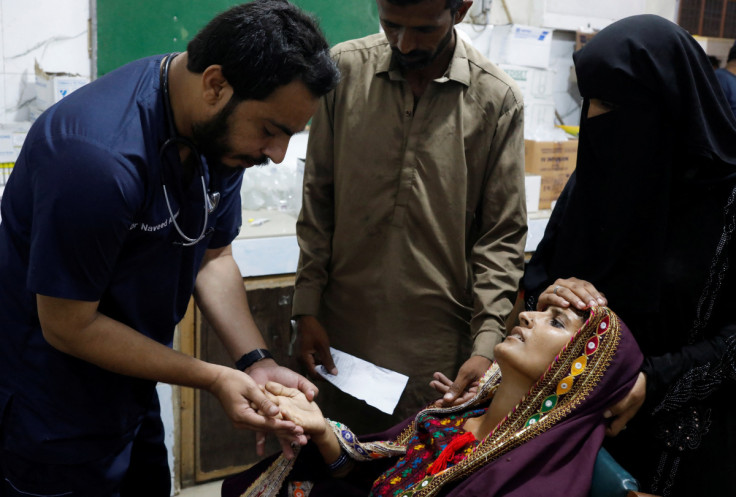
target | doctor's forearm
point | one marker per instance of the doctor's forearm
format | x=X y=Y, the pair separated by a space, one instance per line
x=77 y=329
x=220 y=294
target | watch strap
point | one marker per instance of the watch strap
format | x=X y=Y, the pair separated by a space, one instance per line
x=251 y=358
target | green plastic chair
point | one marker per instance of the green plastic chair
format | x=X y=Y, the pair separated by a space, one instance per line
x=610 y=479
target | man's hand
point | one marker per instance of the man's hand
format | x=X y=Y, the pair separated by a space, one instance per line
x=314 y=346
x=295 y=407
x=626 y=408
x=242 y=399
x=571 y=291
x=267 y=370
x=465 y=385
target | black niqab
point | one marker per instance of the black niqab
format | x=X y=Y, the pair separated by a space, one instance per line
x=631 y=215
x=648 y=218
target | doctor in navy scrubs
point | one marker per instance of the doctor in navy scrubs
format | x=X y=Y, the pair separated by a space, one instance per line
x=122 y=205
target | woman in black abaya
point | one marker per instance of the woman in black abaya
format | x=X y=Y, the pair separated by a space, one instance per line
x=656 y=171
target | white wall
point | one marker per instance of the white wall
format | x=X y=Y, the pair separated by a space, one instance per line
x=53 y=32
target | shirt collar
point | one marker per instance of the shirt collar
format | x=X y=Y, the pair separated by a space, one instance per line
x=458 y=69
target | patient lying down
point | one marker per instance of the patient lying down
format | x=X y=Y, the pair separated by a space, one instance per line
x=534 y=426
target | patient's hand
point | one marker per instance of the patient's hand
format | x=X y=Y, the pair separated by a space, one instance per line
x=295 y=407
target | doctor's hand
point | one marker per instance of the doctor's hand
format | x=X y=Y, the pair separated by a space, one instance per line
x=465 y=385
x=571 y=291
x=267 y=370
x=626 y=408
x=242 y=399
x=314 y=346
x=295 y=407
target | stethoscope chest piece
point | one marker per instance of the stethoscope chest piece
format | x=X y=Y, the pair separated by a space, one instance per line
x=213 y=200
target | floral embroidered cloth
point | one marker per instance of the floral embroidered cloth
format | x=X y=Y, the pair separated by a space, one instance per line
x=433 y=435
x=546 y=444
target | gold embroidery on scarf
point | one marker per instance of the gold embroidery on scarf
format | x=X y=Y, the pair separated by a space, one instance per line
x=511 y=432
x=508 y=435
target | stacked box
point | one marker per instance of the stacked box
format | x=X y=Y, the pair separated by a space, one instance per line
x=521 y=45
x=554 y=162
x=12 y=136
x=536 y=87
x=533 y=186
x=583 y=37
x=52 y=87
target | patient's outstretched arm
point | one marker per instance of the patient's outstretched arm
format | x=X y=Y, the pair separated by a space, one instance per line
x=295 y=407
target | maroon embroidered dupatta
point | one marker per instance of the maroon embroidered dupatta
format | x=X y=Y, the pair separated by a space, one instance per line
x=546 y=446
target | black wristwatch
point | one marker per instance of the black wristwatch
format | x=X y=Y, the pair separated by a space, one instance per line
x=251 y=358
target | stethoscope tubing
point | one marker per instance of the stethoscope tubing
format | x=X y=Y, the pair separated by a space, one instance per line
x=175 y=140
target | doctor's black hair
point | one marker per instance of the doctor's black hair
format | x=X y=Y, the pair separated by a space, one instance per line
x=453 y=5
x=262 y=45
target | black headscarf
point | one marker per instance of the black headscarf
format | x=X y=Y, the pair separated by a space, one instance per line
x=649 y=58
x=643 y=170
x=648 y=218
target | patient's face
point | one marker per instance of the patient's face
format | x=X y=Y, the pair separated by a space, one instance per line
x=531 y=347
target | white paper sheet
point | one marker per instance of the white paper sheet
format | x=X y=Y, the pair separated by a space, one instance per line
x=379 y=387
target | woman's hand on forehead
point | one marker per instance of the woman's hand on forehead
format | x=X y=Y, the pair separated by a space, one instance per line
x=568 y=292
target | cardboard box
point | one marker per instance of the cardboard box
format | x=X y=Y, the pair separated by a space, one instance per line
x=533 y=186
x=538 y=113
x=12 y=136
x=34 y=112
x=583 y=37
x=521 y=45
x=52 y=87
x=533 y=82
x=554 y=162
x=8 y=154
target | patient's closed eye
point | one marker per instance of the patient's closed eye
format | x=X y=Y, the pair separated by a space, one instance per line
x=557 y=323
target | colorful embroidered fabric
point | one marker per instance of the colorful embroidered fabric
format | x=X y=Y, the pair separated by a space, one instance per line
x=364 y=451
x=578 y=366
x=434 y=433
x=566 y=384
x=596 y=341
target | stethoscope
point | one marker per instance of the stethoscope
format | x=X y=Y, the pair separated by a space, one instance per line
x=210 y=200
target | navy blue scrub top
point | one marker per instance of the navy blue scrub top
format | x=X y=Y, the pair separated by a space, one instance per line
x=84 y=218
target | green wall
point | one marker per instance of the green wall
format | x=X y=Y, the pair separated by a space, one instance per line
x=129 y=30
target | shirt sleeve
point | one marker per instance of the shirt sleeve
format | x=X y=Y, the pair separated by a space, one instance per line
x=315 y=225
x=697 y=370
x=728 y=83
x=692 y=373
x=84 y=203
x=497 y=257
